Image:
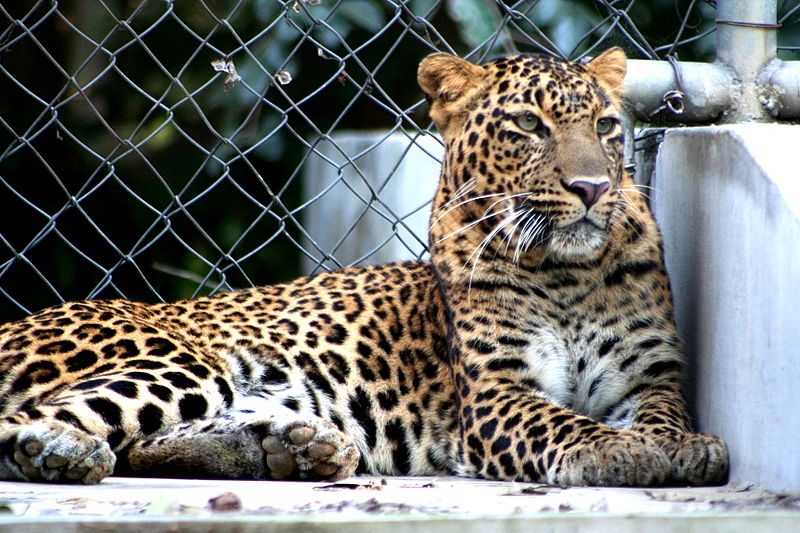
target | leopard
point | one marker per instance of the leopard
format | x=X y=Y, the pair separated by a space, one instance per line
x=536 y=344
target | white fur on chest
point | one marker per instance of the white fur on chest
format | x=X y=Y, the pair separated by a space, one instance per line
x=554 y=366
x=548 y=366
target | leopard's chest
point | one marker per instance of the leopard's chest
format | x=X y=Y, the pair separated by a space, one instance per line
x=567 y=366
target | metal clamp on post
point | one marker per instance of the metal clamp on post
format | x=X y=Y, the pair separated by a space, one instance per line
x=672 y=101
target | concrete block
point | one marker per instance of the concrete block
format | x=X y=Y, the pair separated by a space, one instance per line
x=370 y=195
x=728 y=202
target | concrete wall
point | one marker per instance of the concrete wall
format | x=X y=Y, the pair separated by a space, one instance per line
x=728 y=202
x=343 y=181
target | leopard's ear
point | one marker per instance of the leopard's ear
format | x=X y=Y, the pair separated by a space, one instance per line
x=446 y=77
x=448 y=81
x=609 y=68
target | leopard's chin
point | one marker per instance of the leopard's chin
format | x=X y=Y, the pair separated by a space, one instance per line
x=577 y=240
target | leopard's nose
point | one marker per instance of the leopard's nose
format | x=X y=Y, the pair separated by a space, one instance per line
x=588 y=191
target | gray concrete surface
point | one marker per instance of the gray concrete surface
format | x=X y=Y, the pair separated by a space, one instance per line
x=388 y=505
x=728 y=202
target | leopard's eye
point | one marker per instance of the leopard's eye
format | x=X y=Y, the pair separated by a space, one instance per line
x=605 y=125
x=527 y=121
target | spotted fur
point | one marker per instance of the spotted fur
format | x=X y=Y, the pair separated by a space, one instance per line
x=538 y=344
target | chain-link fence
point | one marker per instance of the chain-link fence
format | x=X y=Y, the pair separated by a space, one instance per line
x=156 y=149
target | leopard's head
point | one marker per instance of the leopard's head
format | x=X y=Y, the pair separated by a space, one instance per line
x=533 y=163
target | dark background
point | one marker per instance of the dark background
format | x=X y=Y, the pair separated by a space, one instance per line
x=128 y=168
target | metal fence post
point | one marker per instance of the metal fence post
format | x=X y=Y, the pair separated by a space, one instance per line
x=747 y=43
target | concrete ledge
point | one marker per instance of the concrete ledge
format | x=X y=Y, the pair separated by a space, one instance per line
x=668 y=523
x=397 y=504
x=728 y=202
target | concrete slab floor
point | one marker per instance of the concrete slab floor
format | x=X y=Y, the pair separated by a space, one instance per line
x=395 y=504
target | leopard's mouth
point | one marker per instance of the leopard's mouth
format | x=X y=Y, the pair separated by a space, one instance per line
x=586 y=220
x=527 y=226
x=579 y=238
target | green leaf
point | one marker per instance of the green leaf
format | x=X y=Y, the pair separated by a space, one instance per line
x=421 y=8
x=363 y=14
x=477 y=20
x=564 y=31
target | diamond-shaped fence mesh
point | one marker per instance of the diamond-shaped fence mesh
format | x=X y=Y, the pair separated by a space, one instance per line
x=158 y=149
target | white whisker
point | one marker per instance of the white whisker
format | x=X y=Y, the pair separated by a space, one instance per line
x=528 y=220
x=478 y=252
x=529 y=235
x=509 y=235
x=465 y=188
x=634 y=188
x=485 y=215
x=472 y=224
x=505 y=197
x=441 y=215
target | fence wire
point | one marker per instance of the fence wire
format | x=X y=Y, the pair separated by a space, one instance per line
x=156 y=149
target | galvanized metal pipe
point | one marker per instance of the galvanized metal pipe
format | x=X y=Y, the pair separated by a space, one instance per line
x=746 y=83
x=783 y=81
x=705 y=87
x=747 y=43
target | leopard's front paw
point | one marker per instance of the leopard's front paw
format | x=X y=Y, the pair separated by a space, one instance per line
x=697 y=459
x=624 y=458
x=315 y=449
x=56 y=453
